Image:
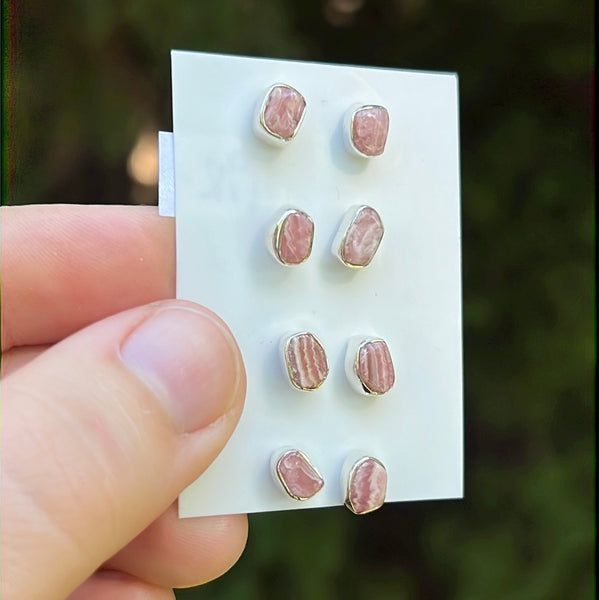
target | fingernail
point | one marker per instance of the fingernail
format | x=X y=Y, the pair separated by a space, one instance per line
x=189 y=360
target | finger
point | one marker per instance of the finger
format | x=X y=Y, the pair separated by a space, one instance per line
x=64 y=267
x=20 y=356
x=112 y=585
x=181 y=553
x=102 y=431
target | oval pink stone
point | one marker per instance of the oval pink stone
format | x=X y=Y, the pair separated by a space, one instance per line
x=375 y=367
x=370 y=126
x=362 y=238
x=367 y=486
x=306 y=361
x=283 y=111
x=293 y=238
x=299 y=478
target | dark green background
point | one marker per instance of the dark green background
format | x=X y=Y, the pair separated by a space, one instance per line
x=82 y=78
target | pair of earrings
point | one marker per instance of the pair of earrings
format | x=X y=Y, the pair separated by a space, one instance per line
x=368 y=363
x=280 y=113
x=355 y=244
x=363 y=477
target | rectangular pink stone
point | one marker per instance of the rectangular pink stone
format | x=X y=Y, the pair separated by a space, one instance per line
x=362 y=238
x=306 y=361
x=283 y=111
x=293 y=238
x=369 y=129
x=299 y=478
x=367 y=486
x=375 y=367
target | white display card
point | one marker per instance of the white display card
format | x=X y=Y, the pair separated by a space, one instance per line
x=230 y=186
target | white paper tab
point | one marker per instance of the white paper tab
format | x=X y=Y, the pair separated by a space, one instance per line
x=166 y=174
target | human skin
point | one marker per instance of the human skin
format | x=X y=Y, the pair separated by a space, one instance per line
x=114 y=398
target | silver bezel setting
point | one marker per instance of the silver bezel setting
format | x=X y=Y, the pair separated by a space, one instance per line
x=262 y=130
x=273 y=241
x=286 y=340
x=276 y=461
x=348 y=126
x=348 y=479
x=352 y=357
x=340 y=238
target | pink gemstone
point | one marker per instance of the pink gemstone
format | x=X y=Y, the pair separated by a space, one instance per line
x=362 y=238
x=367 y=486
x=299 y=478
x=293 y=238
x=370 y=126
x=283 y=111
x=375 y=367
x=306 y=361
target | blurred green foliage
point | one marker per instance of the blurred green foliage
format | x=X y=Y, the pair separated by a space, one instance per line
x=82 y=78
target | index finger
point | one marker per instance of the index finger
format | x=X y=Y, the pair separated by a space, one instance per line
x=66 y=266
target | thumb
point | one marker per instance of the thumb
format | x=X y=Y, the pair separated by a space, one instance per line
x=102 y=431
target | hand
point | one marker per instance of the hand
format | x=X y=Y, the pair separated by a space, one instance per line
x=107 y=415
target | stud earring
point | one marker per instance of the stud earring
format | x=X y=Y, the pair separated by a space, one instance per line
x=365 y=483
x=366 y=129
x=297 y=476
x=369 y=366
x=279 y=115
x=305 y=361
x=358 y=237
x=290 y=241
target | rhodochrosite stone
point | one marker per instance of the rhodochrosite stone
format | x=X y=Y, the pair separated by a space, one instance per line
x=299 y=478
x=293 y=238
x=369 y=129
x=306 y=361
x=367 y=486
x=375 y=367
x=362 y=238
x=283 y=111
